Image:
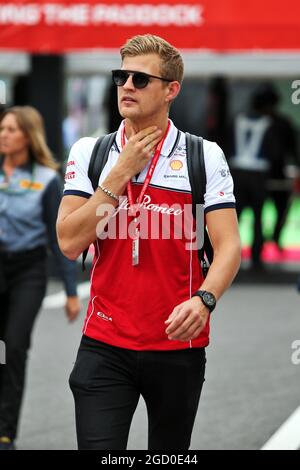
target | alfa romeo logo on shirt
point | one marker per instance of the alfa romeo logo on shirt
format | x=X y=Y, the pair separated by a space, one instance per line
x=176 y=165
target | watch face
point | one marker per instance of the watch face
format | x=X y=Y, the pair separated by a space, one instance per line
x=209 y=299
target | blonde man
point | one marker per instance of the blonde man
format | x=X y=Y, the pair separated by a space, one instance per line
x=147 y=322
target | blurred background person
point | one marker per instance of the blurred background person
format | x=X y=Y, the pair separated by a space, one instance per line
x=111 y=106
x=251 y=151
x=216 y=111
x=29 y=197
x=71 y=128
x=284 y=153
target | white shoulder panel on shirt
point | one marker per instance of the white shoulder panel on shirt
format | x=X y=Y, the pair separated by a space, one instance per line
x=170 y=172
x=76 y=178
x=219 y=183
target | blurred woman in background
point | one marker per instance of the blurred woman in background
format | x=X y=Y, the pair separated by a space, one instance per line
x=30 y=193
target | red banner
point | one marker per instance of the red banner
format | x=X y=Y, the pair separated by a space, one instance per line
x=221 y=25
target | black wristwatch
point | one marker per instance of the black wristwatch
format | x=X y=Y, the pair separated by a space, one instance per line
x=207 y=298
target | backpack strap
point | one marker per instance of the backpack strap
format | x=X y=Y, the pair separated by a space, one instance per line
x=197 y=176
x=97 y=163
x=99 y=157
x=196 y=168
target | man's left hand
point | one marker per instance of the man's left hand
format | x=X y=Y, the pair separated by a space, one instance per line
x=187 y=320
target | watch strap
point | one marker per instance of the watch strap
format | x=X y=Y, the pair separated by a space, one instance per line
x=201 y=294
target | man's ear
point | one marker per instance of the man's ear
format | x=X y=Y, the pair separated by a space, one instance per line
x=173 y=88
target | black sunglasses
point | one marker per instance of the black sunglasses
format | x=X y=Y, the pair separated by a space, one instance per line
x=139 y=79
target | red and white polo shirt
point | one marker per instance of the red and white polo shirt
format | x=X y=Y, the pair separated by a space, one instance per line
x=129 y=304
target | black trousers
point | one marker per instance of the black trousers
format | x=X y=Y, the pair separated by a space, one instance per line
x=107 y=382
x=281 y=201
x=20 y=300
x=250 y=191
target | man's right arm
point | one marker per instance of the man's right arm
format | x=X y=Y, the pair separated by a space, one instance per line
x=77 y=219
x=77 y=216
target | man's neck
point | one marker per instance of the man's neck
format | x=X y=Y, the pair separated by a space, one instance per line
x=132 y=127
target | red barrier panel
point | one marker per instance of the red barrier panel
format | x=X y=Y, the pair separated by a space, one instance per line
x=220 y=25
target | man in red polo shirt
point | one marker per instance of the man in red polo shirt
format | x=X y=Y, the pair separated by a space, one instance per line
x=147 y=323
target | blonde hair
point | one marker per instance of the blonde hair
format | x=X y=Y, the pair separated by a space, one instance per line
x=31 y=123
x=171 y=65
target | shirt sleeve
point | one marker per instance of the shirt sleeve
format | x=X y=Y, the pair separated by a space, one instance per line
x=66 y=267
x=219 y=183
x=77 y=182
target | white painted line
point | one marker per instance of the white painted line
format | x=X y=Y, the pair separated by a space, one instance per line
x=287 y=437
x=58 y=300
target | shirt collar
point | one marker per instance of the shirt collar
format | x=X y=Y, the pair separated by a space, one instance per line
x=168 y=146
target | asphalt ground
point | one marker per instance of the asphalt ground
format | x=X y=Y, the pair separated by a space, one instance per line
x=251 y=385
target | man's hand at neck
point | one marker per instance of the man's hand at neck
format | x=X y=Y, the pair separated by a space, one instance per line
x=132 y=128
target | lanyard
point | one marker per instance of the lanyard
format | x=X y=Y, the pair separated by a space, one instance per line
x=149 y=172
x=5 y=186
